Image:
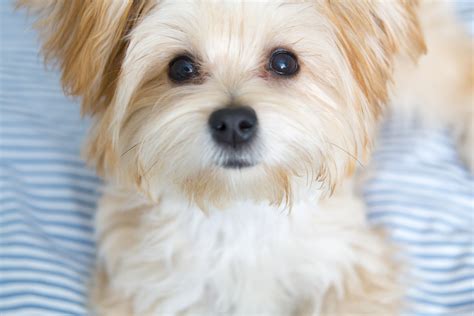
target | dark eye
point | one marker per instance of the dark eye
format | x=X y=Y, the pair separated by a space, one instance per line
x=182 y=68
x=283 y=63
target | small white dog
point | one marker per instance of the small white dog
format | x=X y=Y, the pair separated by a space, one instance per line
x=228 y=133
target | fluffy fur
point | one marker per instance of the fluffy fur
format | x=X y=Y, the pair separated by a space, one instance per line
x=179 y=235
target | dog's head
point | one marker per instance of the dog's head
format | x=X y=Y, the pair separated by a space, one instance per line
x=225 y=100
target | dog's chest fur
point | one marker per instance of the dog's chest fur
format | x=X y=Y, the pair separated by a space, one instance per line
x=249 y=258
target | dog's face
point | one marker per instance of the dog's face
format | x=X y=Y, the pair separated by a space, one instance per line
x=230 y=100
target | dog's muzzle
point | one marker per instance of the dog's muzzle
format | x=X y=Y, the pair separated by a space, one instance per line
x=233 y=130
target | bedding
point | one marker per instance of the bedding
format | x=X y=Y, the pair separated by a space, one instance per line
x=418 y=191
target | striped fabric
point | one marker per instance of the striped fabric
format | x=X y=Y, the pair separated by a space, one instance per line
x=424 y=196
x=47 y=196
x=419 y=191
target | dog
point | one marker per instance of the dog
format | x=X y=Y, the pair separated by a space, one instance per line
x=230 y=135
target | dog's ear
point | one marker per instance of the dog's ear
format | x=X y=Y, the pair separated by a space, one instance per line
x=87 y=38
x=369 y=34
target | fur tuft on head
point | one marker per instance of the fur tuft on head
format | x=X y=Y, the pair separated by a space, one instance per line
x=88 y=40
x=370 y=33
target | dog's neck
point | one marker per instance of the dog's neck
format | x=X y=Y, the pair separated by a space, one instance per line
x=250 y=241
x=176 y=204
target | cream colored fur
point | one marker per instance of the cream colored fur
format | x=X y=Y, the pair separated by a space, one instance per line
x=439 y=88
x=179 y=235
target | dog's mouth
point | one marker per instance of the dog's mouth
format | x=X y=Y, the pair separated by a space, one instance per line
x=236 y=159
x=237 y=163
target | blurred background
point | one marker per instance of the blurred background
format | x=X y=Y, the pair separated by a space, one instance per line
x=419 y=191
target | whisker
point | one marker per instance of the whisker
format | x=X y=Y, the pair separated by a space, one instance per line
x=349 y=154
x=128 y=150
x=166 y=149
x=151 y=167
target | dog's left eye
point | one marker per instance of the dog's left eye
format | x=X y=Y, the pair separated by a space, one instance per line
x=182 y=68
x=283 y=63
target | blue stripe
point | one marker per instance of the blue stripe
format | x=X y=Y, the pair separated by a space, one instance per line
x=448 y=292
x=414 y=192
x=452 y=281
x=38 y=307
x=459 y=257
x=44 y=161
x=25 y=281
x=80 y=227
x=61 y=139
x=68 y=276
x=77 y=255
x=61 y=299
x=50 y=199
x=378 y=214
x=434 y=244
x=468 y=303
x=14 y=193
x=28 y=149
x=61 y=211
x=76 y=240
x=434 y=185
x=73 y=266
x=448 y=269
x=86 y=190
x=424 y=230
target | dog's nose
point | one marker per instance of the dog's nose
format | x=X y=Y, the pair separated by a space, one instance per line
x=233 y=126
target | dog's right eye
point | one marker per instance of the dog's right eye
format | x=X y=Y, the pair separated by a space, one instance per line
x=182 y=68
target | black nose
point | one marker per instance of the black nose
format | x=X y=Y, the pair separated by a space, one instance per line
x=233 y=126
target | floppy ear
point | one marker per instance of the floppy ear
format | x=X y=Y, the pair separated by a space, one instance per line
x=87 y=38
x=370 y=33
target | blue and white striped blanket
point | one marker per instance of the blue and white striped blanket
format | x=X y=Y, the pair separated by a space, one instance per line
x=420 y=192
